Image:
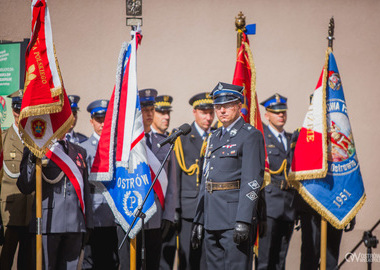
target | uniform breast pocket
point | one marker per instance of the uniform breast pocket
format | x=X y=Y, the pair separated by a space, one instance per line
x=273 y=151
x=228 y=160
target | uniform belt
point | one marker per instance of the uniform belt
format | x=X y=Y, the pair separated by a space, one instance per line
x=282 y=184
x=212 y=186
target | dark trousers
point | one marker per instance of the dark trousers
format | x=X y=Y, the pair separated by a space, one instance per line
x=168 y=250
x=190 y=258
x=61 y=250
x=311 y=240
x=18 y=235
x=153 y=243
x=223 y=253
x=273 y=247
x=101 y=250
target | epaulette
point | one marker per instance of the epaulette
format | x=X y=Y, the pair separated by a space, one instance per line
x=248 y=127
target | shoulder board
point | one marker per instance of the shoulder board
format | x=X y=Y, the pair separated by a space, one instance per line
x=248 y=127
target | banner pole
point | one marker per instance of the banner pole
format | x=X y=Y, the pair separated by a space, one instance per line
x=132 y=254
x=323 y=243
x=240 y=27
x=38 y=214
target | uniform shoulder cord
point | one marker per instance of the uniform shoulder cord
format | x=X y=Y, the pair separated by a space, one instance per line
x=178 y=150
x=281 y=169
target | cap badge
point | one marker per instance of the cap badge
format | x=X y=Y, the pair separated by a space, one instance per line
x=220 y=86
x=278 y=98
x=104 y=103
x=208 y=95
x=147 y=92
x=166 y=98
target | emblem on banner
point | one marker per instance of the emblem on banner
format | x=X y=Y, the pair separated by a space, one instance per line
x=38 y=128
x=131 y=201
x=334 y=81
x=29 y=75
x=3 y=110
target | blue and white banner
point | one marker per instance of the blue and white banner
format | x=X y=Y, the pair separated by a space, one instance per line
x=340 y=194
x=122 y=151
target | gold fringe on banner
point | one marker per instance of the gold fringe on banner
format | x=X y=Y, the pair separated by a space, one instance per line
x=319 y=173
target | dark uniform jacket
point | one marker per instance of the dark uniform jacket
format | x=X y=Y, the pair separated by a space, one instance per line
x=171 y=191
x=102 y=213
x=16 y=208
x=279 y=202
x=61 y=211
x=239 y=155
x=187 y=184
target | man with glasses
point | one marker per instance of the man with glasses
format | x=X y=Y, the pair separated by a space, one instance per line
x=232 y=176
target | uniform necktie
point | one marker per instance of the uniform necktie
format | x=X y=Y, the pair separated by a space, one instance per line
x=204 y=136
x=224 y=130
x=282 y=142
x=148 y=143
x=68 y=137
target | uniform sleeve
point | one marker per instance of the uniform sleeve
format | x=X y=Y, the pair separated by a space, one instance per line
x=171 y=192
x=252 y=176
x=199 y=213
x=87 y=195
x=26 y=181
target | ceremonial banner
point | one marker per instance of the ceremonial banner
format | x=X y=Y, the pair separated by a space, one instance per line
x=325 y=158
x=122 y=146
x=245 y=75
x=45 y=111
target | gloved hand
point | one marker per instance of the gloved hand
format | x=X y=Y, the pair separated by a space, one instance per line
x=241 y=232
x=350 y=226
x=31 y=157
x=263 y=228
x=165 y=227
x=196 y=235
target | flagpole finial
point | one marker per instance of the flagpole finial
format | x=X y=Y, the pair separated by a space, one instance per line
x=330 y=38
x=239 y=27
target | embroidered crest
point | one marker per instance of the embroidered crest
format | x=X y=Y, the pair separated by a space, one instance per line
x=131 y=201
x=254 y=184
x=38 y=128
x=233 y=132
x=251 y=195
x=334 y=81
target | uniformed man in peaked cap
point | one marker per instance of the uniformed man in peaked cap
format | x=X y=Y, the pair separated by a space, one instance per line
x=101 y=251
x=233 y=173
x=16 y=208
x=279 y=197
x=71 y=135
x=161 y=119
x=189 y=173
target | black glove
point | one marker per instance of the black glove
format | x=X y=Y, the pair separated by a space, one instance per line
x=32 y=158
x=196 y=235
x=350 y=226
x=241 y=232
x=165 y=227
x=263 y=228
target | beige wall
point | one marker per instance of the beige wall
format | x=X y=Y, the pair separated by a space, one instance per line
x=189 y=46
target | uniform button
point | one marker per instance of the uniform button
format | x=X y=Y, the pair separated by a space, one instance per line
x=213 y=156
x=13 y=165
x=211 y=168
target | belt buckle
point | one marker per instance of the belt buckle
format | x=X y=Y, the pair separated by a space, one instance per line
x=209 y=187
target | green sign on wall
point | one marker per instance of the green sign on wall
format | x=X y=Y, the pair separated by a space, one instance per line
x=12 y=66
x=9 y=68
